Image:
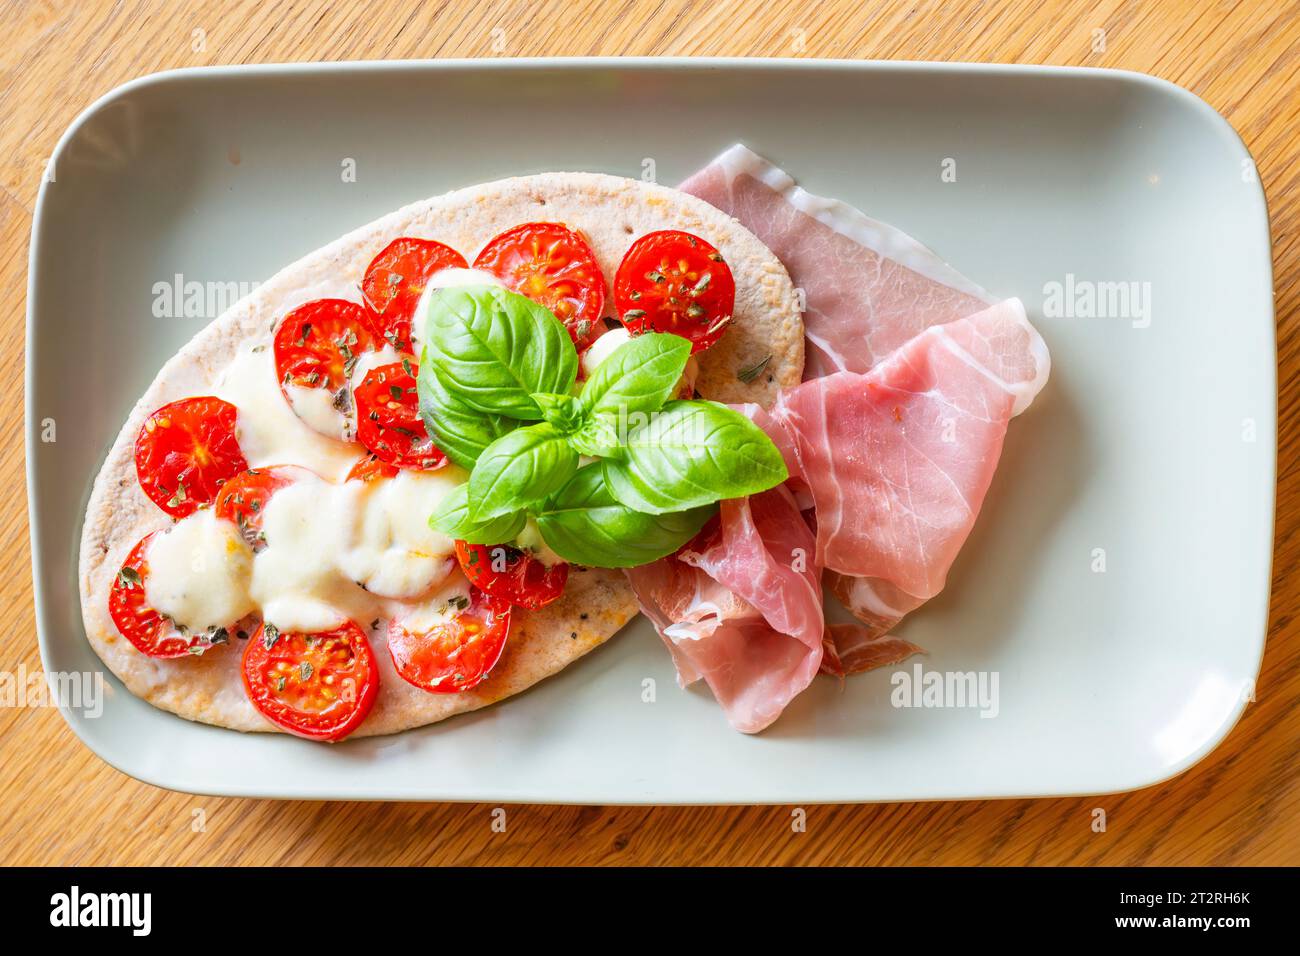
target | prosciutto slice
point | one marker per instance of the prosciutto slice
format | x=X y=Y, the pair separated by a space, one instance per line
x=854 y=648
x=897 y=460
x=868 y=287
x=913 y=373
x=741 y=607
x=875 y=602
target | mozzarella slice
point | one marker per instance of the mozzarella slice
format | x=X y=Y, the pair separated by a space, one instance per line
x=341 y=551
x=392 y=550
x=438 y=608
x=269 y=432
x=604 y=346
x=198 y=573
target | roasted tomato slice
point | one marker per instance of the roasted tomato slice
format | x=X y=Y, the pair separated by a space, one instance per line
x=674 y=282
x=455 y=654
x=317 y=346
x=243 y=498
x=186 y=451
x=512 y=574
x=319 y=686
x=555 y=267
x=147 y=630
x=396 y=279
x=370 y=468
x=388 y=418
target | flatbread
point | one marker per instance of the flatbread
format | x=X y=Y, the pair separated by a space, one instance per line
x=611 y=212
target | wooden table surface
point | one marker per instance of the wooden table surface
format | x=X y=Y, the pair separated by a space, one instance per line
x=60 y=804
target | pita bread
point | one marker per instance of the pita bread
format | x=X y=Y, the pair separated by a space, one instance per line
x=611 y=212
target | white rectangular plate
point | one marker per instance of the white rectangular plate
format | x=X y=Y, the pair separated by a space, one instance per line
x=1150 y=454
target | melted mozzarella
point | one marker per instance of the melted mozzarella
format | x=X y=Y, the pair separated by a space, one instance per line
x=326 y=412
x=438 y=608
x=452 y=278
x=198 y=573
x=530 y=540
x=394 y=553
x=367 y=361
x=269 y=432
x=335 y=552
x=355 y=551
x=318 y=408
x=295 y=577
x=603 y=348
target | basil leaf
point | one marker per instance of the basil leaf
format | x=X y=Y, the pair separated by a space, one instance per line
x=584 y=523
x=519 y=468
x=493 y=348
x=639 y=376
x=452 y=519
x=599 y=437
x=460 y=431
x=562 y=411
x=690 y=454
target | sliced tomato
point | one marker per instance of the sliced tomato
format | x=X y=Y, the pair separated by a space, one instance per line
x=396 y=279
x=186 y=451
x=243 y=498
x=318 y=344
x=456 y=654
x=672 y=281
x=370 y=468
x=512 y=574
x=148 y=631
x=555 y=267
x=319 y=686
x=388 y=418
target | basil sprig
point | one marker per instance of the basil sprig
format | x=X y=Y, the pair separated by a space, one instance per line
x=519 y=469
x=460 y=431
x=640 y=376
x=452 y=519
x=692 y=454
x=584 y=518
x=497 y=392
x=493 y=349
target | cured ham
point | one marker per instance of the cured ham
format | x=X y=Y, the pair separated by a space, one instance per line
x=898 y=459
x=869 y=287
x=875 y=602
x=741 y=607
x=854 y=648
x=912 y=376
x=894 y=464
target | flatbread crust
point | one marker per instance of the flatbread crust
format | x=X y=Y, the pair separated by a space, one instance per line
x=611 y=212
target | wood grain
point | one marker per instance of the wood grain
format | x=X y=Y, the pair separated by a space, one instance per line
x=61 y=804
